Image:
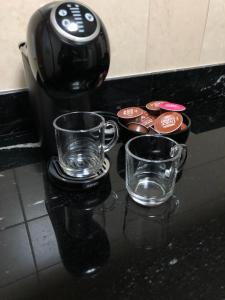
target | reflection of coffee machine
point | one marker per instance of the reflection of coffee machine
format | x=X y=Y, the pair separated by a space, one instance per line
x=65 y=57
x=78 y=220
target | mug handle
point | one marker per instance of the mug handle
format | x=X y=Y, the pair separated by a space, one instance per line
x=115 y=137
x=183 y=158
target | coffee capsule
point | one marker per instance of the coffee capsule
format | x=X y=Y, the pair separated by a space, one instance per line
x=144 y=115
x=153 y=107
x=168 y=122
x=152 y=131
x=148 y=121
x=137 y=127
x=130 y=114
x=183 y=126
x=172 y=107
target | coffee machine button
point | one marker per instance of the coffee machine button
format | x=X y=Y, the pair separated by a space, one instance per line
x=89 y=17
x=65 y=22
x=63 y=12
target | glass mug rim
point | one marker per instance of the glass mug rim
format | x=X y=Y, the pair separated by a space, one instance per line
x=150 y=160
x=78 y=130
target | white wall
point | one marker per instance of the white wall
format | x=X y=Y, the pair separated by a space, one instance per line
x=145 y=35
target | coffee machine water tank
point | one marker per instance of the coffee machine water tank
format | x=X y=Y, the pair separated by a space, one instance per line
x=66 y=56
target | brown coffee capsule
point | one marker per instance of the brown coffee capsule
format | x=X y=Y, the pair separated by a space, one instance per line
x=168 y=122
x=153 y=106
x=152 y=131
x=183 y=126
x=144 y=115
x=130 y=114
x=137 y=127
x=148 y=121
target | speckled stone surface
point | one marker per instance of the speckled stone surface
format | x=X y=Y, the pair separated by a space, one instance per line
x=100 y=244
x=202 y=90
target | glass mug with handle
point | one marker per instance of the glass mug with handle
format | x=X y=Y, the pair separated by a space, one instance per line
x=80 y=139
x=152 y=165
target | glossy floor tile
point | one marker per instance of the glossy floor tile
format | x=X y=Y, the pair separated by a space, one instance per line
x=199 y=151
x=23 y=289
x=44 y=242
x=31 y=187
x=10 y=208
x=16 y=257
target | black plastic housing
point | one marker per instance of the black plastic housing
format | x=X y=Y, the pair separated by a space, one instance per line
x=60 y=74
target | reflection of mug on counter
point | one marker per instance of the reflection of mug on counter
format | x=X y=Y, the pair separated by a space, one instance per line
x=148 y=227
x=79 y=224
x=86 y=248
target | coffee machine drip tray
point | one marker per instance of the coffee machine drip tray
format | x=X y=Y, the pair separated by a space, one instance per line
x=64 y=181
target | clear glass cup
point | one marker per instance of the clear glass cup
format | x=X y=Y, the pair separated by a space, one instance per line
x=80 y=139
x=152 y=164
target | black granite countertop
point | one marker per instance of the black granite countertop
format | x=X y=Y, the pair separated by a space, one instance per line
x=101 y=245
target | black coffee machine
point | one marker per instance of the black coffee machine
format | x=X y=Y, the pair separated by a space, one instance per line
x=65 y=58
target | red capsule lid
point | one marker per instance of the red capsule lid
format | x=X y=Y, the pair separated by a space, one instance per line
x=155 y=105
x=130 y=112
x=172 y=106
x=168 y=122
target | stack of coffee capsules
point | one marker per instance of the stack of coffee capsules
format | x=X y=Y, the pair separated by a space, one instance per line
x=158 y=117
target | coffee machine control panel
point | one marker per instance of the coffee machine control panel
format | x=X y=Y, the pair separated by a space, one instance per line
x=75 y=22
